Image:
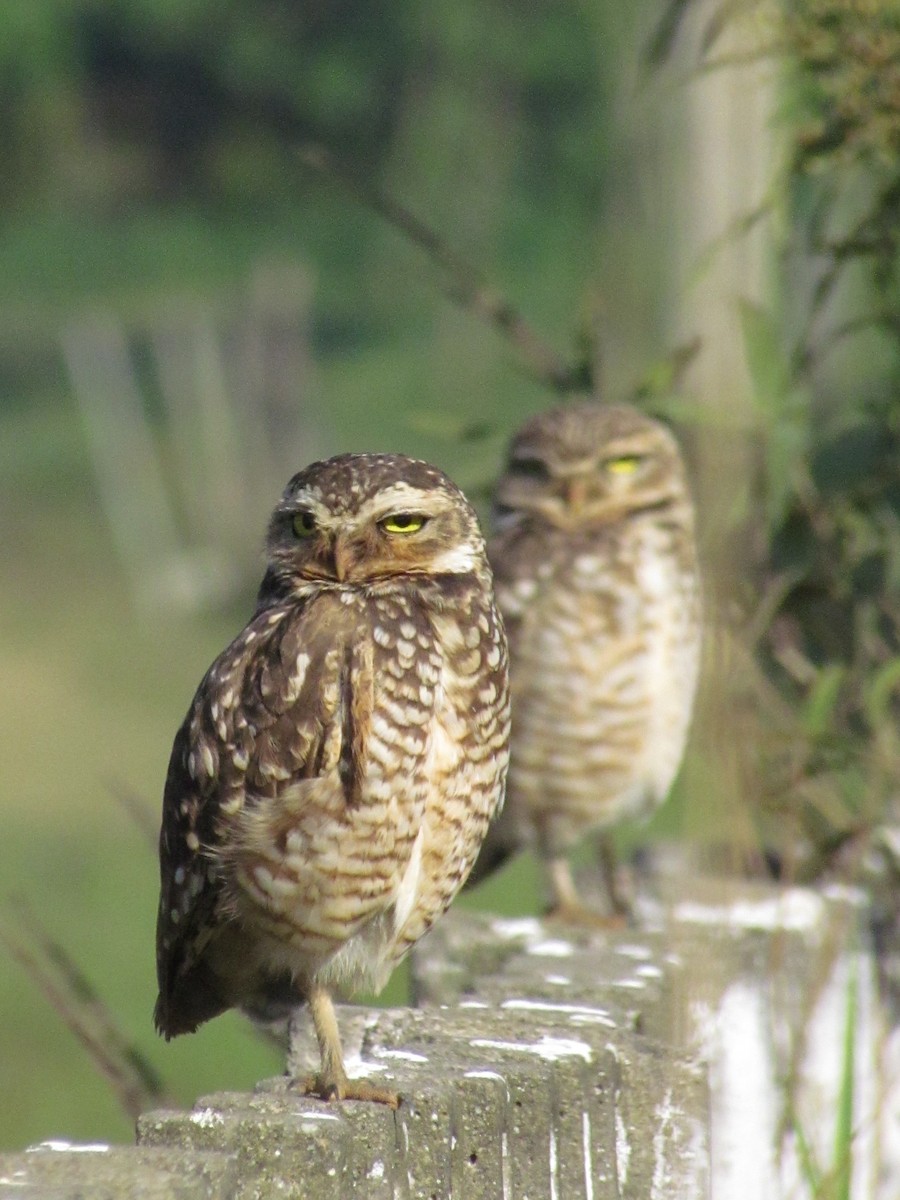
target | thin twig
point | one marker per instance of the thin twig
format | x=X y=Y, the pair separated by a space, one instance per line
x=134 y=1082
x=465 y=285
x=136 y=808
x=666 y=376
x=659 y=46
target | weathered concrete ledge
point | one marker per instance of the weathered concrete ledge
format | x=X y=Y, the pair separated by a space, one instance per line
x=547 y=1063
x=753 y=981
x=525 y=1097
x=59 y=1170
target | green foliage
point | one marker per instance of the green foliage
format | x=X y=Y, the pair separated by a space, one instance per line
x=828 y=548
x=782 y=412
x=204 y=99
x=848 y=55
x=843 y=1128
x=823 y=530
x=834 y=1181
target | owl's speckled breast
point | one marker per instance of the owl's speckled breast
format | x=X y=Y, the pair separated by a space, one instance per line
x=607 y=655
x=340 y=872
x=595 y=565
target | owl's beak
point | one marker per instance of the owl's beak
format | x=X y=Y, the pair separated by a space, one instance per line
x=575 y=491
x=343 y=557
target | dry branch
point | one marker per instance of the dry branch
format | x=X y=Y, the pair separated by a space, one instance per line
x=465 y=285
x=134 y=1082
x=137 y=809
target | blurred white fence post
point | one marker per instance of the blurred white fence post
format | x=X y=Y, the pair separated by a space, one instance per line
x=187 y=490
x=132 y=489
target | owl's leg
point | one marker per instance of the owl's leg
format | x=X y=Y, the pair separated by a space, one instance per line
x=331 y=1083
x=567 y=905
x=606 y=860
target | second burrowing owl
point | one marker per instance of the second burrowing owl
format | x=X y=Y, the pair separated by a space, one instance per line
x=334 y=777
x=596 y=574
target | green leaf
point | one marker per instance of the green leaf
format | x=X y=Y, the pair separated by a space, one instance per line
x=818 y=712
x=843 y=1133
x=879 y=692
x=811 y=1172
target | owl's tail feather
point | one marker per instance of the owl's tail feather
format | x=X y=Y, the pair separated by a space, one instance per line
x=194 y=1000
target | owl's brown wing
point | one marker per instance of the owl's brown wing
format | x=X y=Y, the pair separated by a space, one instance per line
x=263 y=716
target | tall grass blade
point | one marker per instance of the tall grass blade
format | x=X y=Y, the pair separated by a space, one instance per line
x=843 y=1133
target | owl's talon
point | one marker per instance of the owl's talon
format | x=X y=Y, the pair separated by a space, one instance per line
x=333 y=1090
x=361 y=1089
x=587 y=918
x=567 y=907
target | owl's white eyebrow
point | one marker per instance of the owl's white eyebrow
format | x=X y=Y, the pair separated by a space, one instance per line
x=406 y=500
x=403 y=495
x=301 y=501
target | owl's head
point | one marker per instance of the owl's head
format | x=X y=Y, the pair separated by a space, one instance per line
x=358 y=518
x=586 y=465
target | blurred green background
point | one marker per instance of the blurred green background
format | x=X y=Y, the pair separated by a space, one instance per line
x=188 y=314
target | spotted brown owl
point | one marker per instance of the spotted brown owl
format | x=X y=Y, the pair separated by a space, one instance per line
x=595 y=568
x=336 y=772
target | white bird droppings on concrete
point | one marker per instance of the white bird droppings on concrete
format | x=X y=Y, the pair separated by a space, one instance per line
x=796 y=909
x=406 y=1055
x=516 y=927
x=551 y=1049
x=61 y=1146
x=551 y=948
x=207 y=1118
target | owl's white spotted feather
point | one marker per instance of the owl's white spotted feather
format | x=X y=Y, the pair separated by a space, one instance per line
x=335 y=775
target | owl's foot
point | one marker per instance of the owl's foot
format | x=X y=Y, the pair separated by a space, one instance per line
x=331 y=1083
x=567 y=907
x=587 y=918
x=330 y=1088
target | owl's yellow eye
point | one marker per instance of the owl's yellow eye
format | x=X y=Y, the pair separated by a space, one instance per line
x=304 y=524
x=403 y=522
x=627 y=464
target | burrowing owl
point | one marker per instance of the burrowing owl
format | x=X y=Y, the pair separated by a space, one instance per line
x=334 y=777
x=596 y=576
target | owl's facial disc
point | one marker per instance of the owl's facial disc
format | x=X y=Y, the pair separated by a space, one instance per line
x=589 y=486
x=387 y=545
x=400 y=530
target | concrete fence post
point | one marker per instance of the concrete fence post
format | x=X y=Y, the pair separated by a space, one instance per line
x=680 y=1059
